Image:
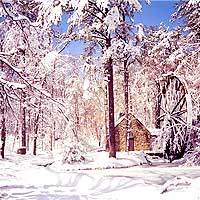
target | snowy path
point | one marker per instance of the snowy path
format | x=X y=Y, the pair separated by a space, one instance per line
x=141 y=182
x=151 y=175
x=22 y=179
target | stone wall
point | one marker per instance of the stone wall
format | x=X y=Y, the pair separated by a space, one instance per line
x=140 y=133
x=120 y=137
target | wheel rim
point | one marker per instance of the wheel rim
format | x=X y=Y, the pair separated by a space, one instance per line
x=175 y=112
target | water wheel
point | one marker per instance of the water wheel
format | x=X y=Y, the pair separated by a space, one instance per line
x=174 y=115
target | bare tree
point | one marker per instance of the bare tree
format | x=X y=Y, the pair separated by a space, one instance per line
x=23 y=119
x=3 y=123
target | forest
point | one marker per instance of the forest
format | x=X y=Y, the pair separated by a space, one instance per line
x=51 y=100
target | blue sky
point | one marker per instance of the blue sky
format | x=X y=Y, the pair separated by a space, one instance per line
x=154 y=14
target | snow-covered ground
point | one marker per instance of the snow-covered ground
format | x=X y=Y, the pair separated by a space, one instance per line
x=25 y=177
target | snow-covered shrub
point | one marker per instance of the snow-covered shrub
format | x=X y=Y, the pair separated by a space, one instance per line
x=175 y=144
x=193 y=158
x=73 y=153
x=192 y=154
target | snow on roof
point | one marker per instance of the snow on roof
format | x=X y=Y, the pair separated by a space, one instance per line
x=155 y=131
x=119 y=120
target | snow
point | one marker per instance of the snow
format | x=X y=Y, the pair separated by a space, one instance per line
x=48 y=61
x=87 y=95
x=40 y=89
x=50 y=12
x=86 y=84
x=136 y=4
x=23 y=177
x=102 y=161
x=112 y=19
x=103 y=3
x=119 y=120
x=140 y=33
x=193 y=2
x=10 y=65
x=14 y=85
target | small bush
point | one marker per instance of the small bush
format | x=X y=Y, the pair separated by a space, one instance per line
x=73 y=153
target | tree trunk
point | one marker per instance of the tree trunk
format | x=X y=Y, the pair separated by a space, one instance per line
x=3 y=126
x=126 y=102
x=36 y=133
x=51 y=141
x=53 y=136
x=29 y=129
x=53 y=95
x=130 y=101
x=158 y=107
x=36 y=128
x=34 y=145
x=106 y=117
x=16 y=135
x=77 y=117
x=23 y=120
x=109 y=70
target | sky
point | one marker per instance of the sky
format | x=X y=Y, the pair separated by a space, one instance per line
x=154 y=14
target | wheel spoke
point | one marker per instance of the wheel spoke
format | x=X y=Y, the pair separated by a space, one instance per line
x=184 y=102
x=161 y=117
x=174 y=113
x=180 y=120
x=180 y=112
x=178 y=103
x=164 y=110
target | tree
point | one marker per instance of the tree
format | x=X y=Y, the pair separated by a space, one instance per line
x=98 y=23
x=167 y=51
x=23 y=44
x=3 y=123
x=188 y=13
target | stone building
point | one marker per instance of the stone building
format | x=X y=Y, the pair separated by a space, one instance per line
x=139 y=141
